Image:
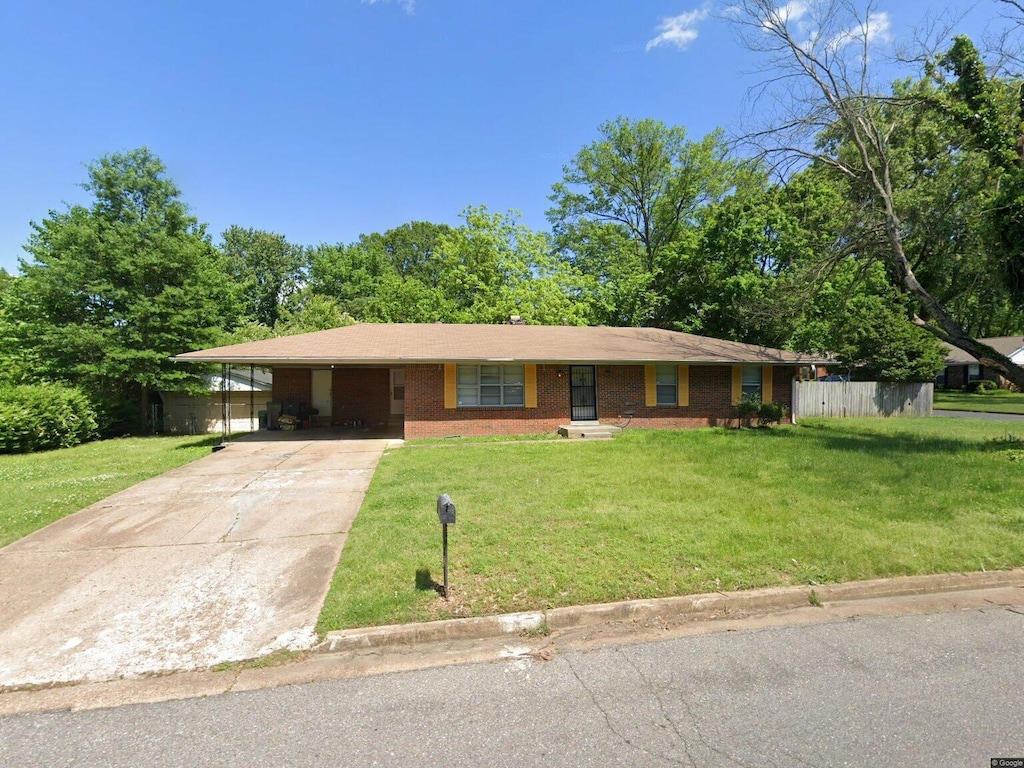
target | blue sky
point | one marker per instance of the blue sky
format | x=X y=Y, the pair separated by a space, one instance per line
x=322 y=120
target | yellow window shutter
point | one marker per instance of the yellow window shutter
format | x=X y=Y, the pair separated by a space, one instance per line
x=737 y=384
x=650 y=386
x=766 y=383
x=450 y=377
x=530 y=385
x=683 y=385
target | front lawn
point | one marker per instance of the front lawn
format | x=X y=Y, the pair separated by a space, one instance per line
x=999 y=401
x=39 y=488
x=658 y=513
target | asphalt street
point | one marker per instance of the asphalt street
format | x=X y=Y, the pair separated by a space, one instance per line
x=979 y=415
x=924 y=690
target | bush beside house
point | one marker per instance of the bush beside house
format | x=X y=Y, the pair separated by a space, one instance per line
x=39 y=417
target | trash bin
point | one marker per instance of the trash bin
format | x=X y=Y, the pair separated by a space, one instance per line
x=273 y=414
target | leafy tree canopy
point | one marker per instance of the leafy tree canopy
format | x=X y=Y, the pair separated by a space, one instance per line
x=483 y=271
x=923 y=162
x=266 y=269
x=627 y=210
x=114 y=289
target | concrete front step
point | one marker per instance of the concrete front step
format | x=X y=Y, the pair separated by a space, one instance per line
x=590 y=431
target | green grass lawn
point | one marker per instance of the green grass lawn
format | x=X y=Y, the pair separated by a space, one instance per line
x=1000 y=401
x=658 y=513
x=39 y=488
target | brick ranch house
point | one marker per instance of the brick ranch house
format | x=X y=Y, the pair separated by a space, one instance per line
x=961 y=368
x=444 y=380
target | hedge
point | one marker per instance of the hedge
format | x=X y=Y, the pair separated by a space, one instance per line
x=39 y=417
x=982 y=386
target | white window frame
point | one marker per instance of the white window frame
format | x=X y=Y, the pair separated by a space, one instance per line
x=502 y=386
x=666 y=385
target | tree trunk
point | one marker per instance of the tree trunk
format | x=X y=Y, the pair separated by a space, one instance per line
x=144 y=427
x=948 y=329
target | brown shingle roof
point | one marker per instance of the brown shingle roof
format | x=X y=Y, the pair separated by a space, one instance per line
x=437 y=342
x=1005 y=345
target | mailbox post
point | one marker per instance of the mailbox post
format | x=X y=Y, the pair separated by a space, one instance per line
x=446 y=516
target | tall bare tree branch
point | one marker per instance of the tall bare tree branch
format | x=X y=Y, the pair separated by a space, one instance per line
x=822 y=51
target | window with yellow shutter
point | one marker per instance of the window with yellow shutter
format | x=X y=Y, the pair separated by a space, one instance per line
x=490 y=385
x=667 y=384
x=751 y=382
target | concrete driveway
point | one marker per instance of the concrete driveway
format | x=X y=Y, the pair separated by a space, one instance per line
x=224 y=559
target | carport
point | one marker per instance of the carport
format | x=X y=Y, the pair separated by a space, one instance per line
x=344 y=395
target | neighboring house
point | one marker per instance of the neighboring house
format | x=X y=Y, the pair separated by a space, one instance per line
x=442 y=380
x=245 y=393
x=962 y=368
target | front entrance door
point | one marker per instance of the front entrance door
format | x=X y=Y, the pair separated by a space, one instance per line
x=321 y=395
x=583 y=392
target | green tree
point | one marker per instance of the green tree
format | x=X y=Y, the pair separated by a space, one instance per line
x=745 y=278
x=876 y=342
x=856 y=315
x=115 y=289
x=389 y=277
x=15 y=358
x=830 y=113
x=494 y=267
x=483 y=271
x=266 y=269
x=352 y=275
x=308 y=311
x=990 y=110
x=627 y=209
x=412 y=250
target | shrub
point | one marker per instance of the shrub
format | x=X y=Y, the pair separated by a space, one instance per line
x=770 y=413
x=748 y=407
x=981 y=386
x=39 y=417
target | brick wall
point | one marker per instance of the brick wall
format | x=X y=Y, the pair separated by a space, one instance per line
x=782 y=387
x=426 y=416
x=362 y=394
x=620 y=399
x=293 y=385
x=957 y=376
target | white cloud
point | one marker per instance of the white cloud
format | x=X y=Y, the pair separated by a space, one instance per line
x=679 y=30
x=408 y=5
x=792 y=11
x=877 y=27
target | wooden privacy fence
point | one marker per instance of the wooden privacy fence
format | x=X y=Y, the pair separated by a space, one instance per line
x=861 y=398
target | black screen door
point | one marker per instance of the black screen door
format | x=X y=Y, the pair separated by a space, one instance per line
x=583 y=397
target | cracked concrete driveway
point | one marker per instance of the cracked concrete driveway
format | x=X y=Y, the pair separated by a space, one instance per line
x=223 y=559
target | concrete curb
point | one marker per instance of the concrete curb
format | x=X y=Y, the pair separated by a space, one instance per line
x=705 y=607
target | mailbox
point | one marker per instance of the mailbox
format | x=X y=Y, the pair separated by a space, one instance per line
x=445 y=509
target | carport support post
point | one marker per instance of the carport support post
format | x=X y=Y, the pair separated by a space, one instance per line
x=225 y=406
x=252 y=398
